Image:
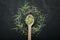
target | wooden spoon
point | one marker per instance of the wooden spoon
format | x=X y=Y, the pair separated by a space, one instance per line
x=29 y=21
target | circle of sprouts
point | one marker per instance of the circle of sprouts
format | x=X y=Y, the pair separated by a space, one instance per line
x=21 y=15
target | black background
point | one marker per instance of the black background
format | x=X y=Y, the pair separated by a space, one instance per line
x=8 y=9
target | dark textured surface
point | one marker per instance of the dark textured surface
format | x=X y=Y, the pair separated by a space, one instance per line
x=8 y=8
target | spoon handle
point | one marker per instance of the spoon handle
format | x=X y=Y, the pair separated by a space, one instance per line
x=29 y=32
